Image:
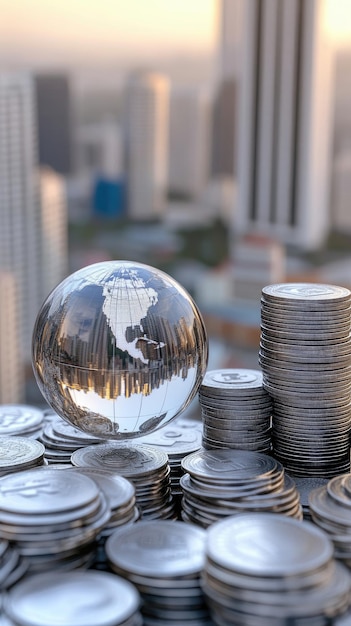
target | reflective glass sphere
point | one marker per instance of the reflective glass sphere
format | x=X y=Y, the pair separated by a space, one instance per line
x=119 y=349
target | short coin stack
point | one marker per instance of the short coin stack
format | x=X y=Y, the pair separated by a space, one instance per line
x=178 y=439
x=120 y=493
x=221 y=483
x=305 y=356
x=61 y=439
x=330 y=508
x=22 y=420
x=145 y=466
x=81 y=598
x=236 y=410
x=12 y=565
x=53 y=517
x=20 y=453
x=164 y=560
x=269 y=570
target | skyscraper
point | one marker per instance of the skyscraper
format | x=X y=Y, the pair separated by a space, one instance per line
x=226 y=92
x=11 y=367
x=19 y=252
x=33 y=231
x=284 y=131
x=54 y=121
x=53 y=236
x=146 y=136
x=189 y=141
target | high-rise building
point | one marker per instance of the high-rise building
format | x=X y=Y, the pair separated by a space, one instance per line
x=53 y=236
x=189 y=141
x=54 y=121
x=226 y=91
x=19 y=215
x=147 y=137
x=284 y=131
x=11 y=367
x=33 y=230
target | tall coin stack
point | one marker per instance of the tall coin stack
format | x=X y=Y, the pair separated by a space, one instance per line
x=236 y=410
x=305 y=356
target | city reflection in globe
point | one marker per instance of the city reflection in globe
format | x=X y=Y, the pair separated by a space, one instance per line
x=119 y=349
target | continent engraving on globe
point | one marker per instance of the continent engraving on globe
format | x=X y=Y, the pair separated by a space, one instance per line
x=119 y=349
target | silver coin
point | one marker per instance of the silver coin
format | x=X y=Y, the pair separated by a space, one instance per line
x=232 y=466
x=19 y=451
x=119 y=490
x=159 y=549
x=131 y=460
x=306 y=292
x=87 y=598
x=174 y=440
x=18 y=418
x=34 y=491
x=253 y=544
x=232 y=380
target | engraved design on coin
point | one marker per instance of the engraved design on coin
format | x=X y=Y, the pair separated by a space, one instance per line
x=233 y=378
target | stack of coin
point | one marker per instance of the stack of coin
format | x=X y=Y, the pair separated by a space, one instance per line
x=20 y=453
x=304 y=485
x=221 y=483
x=145 y=466
x=178 y=439
x=61 y=439
x=269 y=570
x=236 y=410
x=330 y=507
x=120 y=493
x=305 y=356
x=164 y=560
x=73 y=598
x=52 y=516
x=22 y=420
x=12 y=565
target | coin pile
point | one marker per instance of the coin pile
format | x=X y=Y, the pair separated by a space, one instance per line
x=20 y=453
x=145 y=466
x=164 y=560
x=61 y=439
x=178 y=439
x=20 y=419
x=52 y=516
x=236 y=410
x=12 y=565
x=221 y=483
x=305 y=356
x=304 y=485
x=88 y=598
x=265 y=569
x=330 y=507
x=120 y=493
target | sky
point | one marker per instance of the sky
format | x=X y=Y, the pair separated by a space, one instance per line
x=95 y=31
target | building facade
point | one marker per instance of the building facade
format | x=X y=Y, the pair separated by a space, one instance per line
x=146 y=143
x=189 y=142
x=19 y=204
x=285 y=121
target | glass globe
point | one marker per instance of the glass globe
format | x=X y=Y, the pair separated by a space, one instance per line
x=119 y=349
